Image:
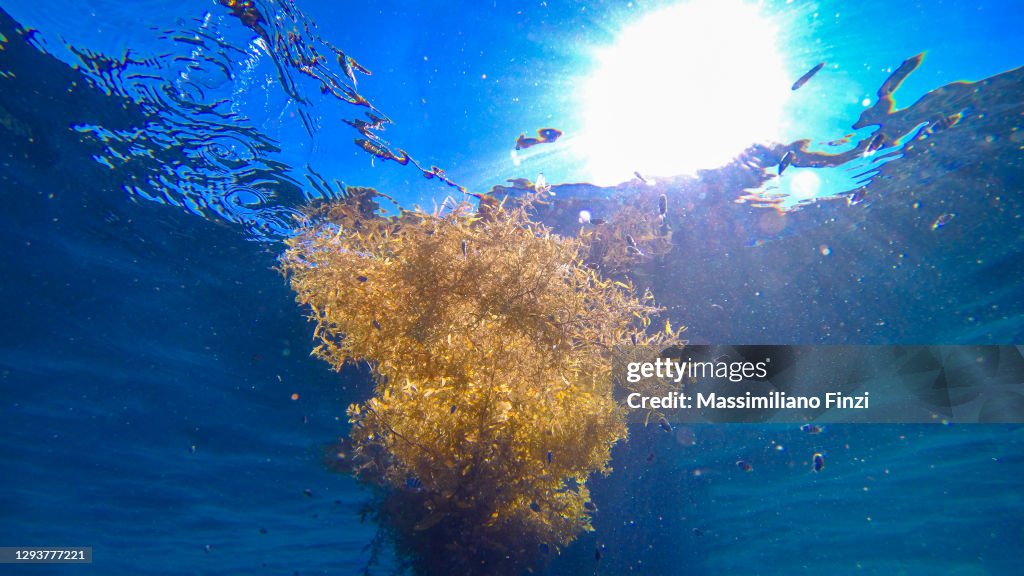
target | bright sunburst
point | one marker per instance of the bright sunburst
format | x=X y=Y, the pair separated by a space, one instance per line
x=683 y=88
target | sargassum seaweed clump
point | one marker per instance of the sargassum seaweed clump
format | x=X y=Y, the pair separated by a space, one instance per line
x=490 y=341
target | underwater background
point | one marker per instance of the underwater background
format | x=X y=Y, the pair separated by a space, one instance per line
x=153 y=157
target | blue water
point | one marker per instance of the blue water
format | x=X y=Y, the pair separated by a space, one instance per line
x=149 y=350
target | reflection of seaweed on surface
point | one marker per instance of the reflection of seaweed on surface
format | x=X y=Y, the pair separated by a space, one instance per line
x=491 y=346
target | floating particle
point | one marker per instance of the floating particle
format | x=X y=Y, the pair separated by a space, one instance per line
x=744 y=465
x=807 y=76
x=584 y=217
x=825 y=250
x=818 y=462
x=943 y=220
x=295 y=396
x=544 y=548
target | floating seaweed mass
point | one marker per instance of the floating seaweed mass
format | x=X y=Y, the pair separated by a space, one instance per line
x=524 y=353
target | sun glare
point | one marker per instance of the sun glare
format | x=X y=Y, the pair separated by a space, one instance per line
x=683 y=88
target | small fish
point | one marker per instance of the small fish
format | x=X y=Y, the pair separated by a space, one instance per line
x=943 y=220
x=598 y=552
x=541 y=186
x=465 y=249
x=544 y=548
x=590 y=506
x=413 y=483
x=807 y=76
x=453 y=409
x=857 y=197
x=818 y=462
x=551 y=456
x=376 y=324
x=630 y=241
x=346 y=66
x=642 y=179
x=361 y=278
x=663 y=206
x=535 y=507
x=523 y=183
x=840 y=141
x=549 y=134
x=698 y=532
x=597 y=221
x=744 y=465
x=664 y=425
x=722 y=358
x=308 y=492
x=876 y=143
x=650 y=457
x=544 y=136
x=811 y=429
x=787 y=159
